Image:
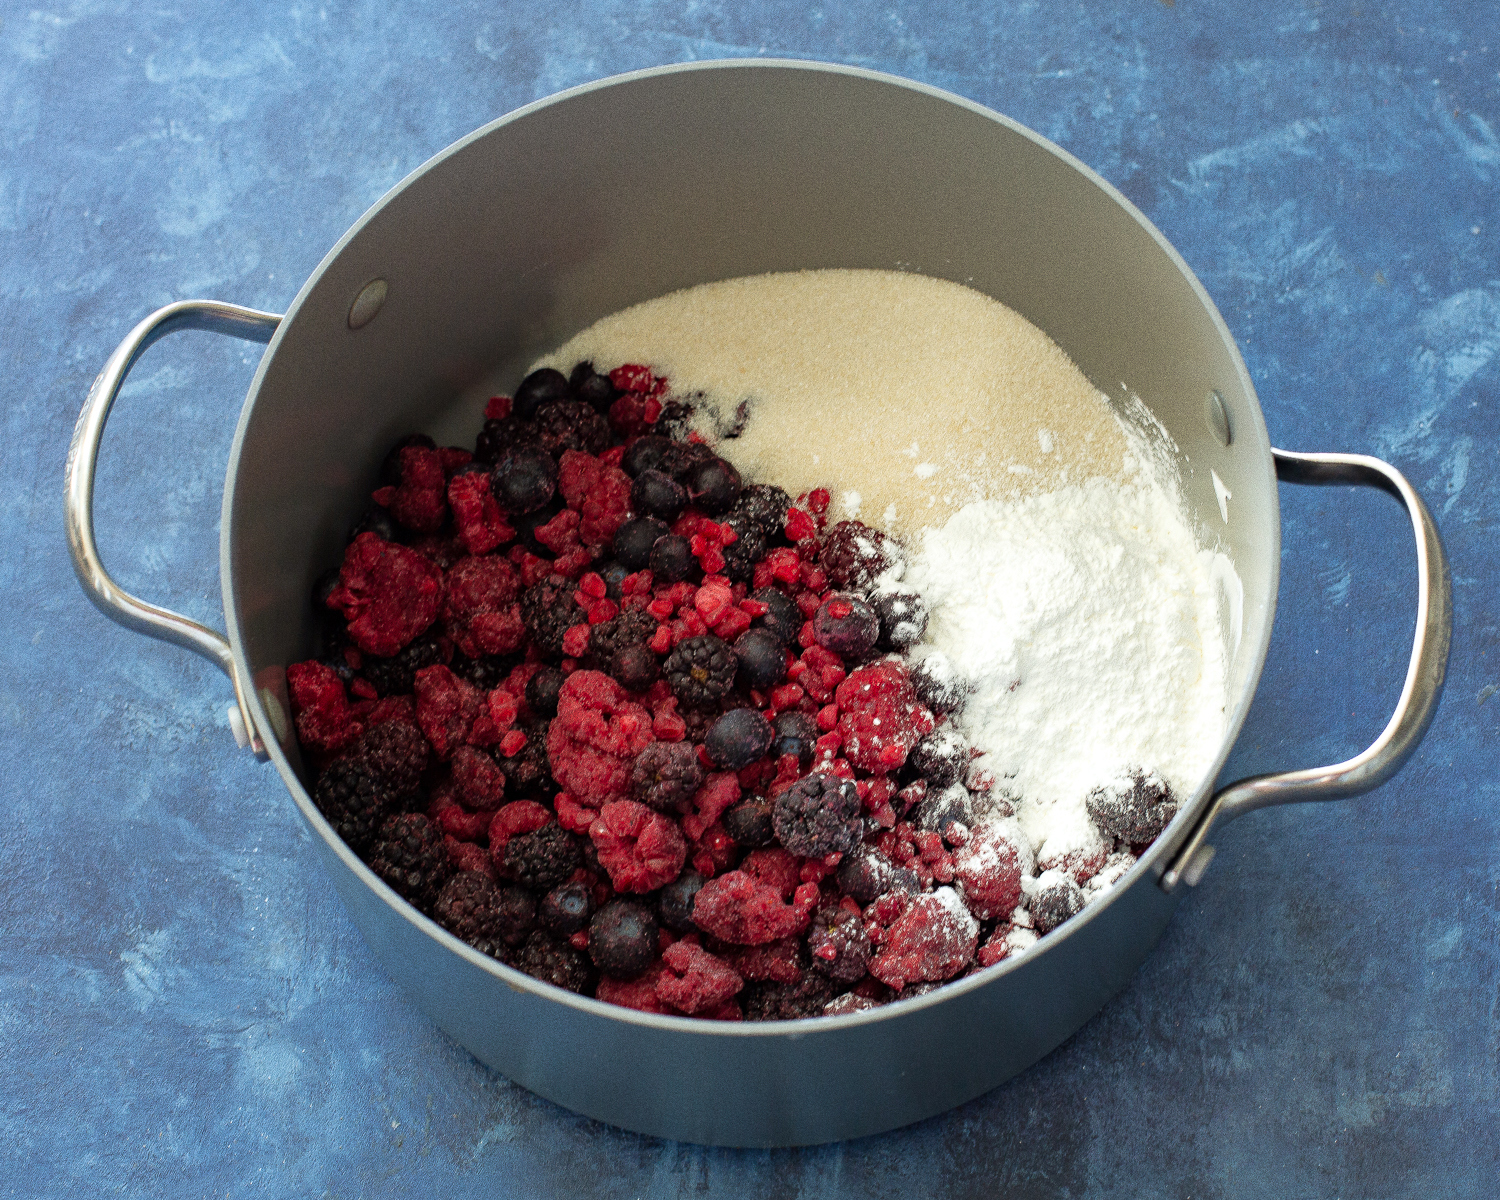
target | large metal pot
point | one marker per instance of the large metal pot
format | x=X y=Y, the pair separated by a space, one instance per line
x=576 y=206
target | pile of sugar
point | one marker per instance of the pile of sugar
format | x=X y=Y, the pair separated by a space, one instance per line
x=907 y=397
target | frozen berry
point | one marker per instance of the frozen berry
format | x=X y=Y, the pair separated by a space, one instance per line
x=633 y=627
x=938 y=683
x=940 y=809
x=393 y=676
x=397 y=752
x=592 y=388
x=903 y=619
x=1054 y=899
x=765 y=506
x=355 y=800
x=539 y=388
x=783 y=620
x=542 y=689
x=1134 y=808
x=738 y=738
x=634 y=540
x=410 y=856
x=854 y=555
x=377 y=521
x=646 y=453
x=880 y=718
x=552 y=961
x=675 y=902
x=701 y=671
x=867 y=873
x=487 y=672
x=524 y=479
x=787 y=1001
x=818 y=815
x=635 y=667
x=713 y=485
x=796 y=733
x=657 y=495
x=941 y=757
x=549 y=611
x=932 y=940
x=622 y=937
x=666 y=775
x=762 y=659
x=847 y=626
x=566 y=909
x=501 y=435
x=572 y=425
x=749 y=824
x=541 y=859
x=696 y=981
x=747 y=549
x=988 y=869
x=672 y=560
x=613 y=574
x=838 y=945
x=390 y=468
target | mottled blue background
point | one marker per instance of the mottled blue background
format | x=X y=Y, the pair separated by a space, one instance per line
x=184 y=1006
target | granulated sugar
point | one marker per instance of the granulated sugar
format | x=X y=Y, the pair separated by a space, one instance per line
x=907 y=397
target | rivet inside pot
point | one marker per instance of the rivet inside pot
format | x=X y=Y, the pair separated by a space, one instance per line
x=369 y=301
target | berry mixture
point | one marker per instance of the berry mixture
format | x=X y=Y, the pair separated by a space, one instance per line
x=648 y=732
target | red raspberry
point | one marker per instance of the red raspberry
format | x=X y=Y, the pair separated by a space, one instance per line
x=560 y=535
x=1081 y=862
x=447 y=707
x=594 y=739
x=320 y=708
x=512 y=820
x=638 y=993
x=880 y=718
x=799 y=526
x=512 y=743
x=458 y=823
x=642 y=850
x=388 y=593
x=932 y=940
x=480 y=609
x=632 y=377
x=420 y=503
x=695 y=980
x=736 y=907
x=714 y=852
x=780 y=962
x=481 y=525
x=466 y=856
x=598 y=492
x=718 y=793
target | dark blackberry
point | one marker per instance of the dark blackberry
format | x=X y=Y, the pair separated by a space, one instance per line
x=766 y=1001
x=573 y=425
x=675 y=902
x=613 y=573
x=390 y=468
x=528 y=775
x=396 y=752
x=656 y=495
x=738 y=738
x=903 y=619
x=764 y=506
x=818 y=815
x=838 y=945
x=749 y=824
x=468 y=907
x=545 y=958
x=943 y=807
x=515 y=914
x=542 y=689
x=796 y=733
x=941 y=757
x=501 y=435
x=1135 y=807
x=866 y=873
x=566 y=909
x=1055 y=900
x=549 y=610
x=592 y=388
x=633 y=627
x=853 y=555
x=541 y=859
x=938 y=684
x=701 y=671
x=355 y=799
x=666 y=775
x=524 y=479
x=635 y=668
x=672 y=560
x=747 y=549
x=635 y=538
x=377 y=521
x=783 y=620
x=646 y=453
x=762 y=659
x=410 y=856
x=847 y=626
x=540 y=387
x=622 y=938
x=713 y=485
x=396 y=676
x=486 y=672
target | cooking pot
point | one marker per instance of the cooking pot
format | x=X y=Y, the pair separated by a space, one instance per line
x=571 y=208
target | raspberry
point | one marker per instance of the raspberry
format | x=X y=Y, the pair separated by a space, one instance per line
x=446 y=708
x=320 y=707
x=600 y=494
x=1054 y=898
x=541 y=859
x=1134 y=807
x=818 y=815
x=410 y=856
x=388 y=594
x=710 y=802
x=781 y=962
x=838 y=945
x=1010 y=938
x=880 y=718
x=932 y=940
x=695 y=980
x=549 y=611
x=988 y=869
x=701 y=671
x=665 y=776
x=787 y=1001
x=512 y=820
x=480 y=612
x=736 y=907
x=622 y=938
x=638 y=993
x=481 y=525
x=855 y=555
x=595 y=738
x=545 y=958
x=355 y=800
x=395 y=676
x=419 y=502
x=641 y=849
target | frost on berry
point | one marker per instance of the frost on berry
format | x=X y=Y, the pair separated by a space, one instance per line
x=599 y=493
x=388 y=594
x=880 y=717
x=481 y=525
x=737 y=907
x=695 y=980
x=481 y=612
x=932 y=940
x=419 y=502
x=320 y=707
x=594 y=739
x=446 y=708
x=988 y=868
x=642 y=850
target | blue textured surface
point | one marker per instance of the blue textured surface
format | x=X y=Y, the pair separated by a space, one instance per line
x=184 y=1006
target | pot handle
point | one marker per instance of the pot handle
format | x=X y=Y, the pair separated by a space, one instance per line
x=1419 y=697
x=111 y=599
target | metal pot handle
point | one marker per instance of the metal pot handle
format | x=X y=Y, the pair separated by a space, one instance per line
x=111 y=599
x=1419 y=697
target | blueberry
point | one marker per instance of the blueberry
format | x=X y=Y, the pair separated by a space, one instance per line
x=377 y=521
x=903 y=619
x=592 y=388
x=390 y=469
x=847 y=626
x=646 y=453
x=542 y=689
x=713 y=486
x=613 y=574
x=762 y=659
x=938 y=684
x=671 y=559
x=565 y=909
x=738 y=738
x=524 y=479
x=327 y=583
x=658 y=495
x=676 y=902
x=622 y=938
x=783 y=619
x=940 y=757
x=635 y=668
x=796 y=733
x=749 y=823
x=539 y=388
x=635 y=538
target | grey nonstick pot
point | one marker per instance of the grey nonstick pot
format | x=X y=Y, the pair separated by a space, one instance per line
x=531 y=228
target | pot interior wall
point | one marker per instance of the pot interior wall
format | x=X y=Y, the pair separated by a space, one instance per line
x=536 y=226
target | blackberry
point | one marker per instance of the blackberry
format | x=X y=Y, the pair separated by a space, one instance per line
x=622 y=938
x=549 y=610
x=672 y=560
x=542 y=859
x=498 y=436
x=355 y=799
x=701 y=671
x=749 y=824
x=396 y=752
x=682 y=457
x=818 y=815
x=1055 y=900
x=486 y=672
x=528 y=775
x=666 y=775
x=410 y=856
x=377 y=521
x=542 y=689
x=592 y=388
x=866 y=873
x=768 y=1001
x=847 y=626
x=468 y=907
x=565 y=909
x=747 y=549
x=853 y=555
x=938 y=684
x=765 y=507
x=646 y=453
x=633 y=627
x=738 y=738
x=713 y=485
x=635 y=668
x=635 y=539
x=654 y=494
x=942 y=808
x=396 y=676
x=524 y=479
x=1135 y=807
x=940 y=758
x=762 y=659
x=515 y=914
x=838 y=945
x=903 y=619
x=796 y=733
x=390 y=468
x=540 y=387
x=783 y=619
x=675 y=902
x=545 y=958
x=573 y=425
